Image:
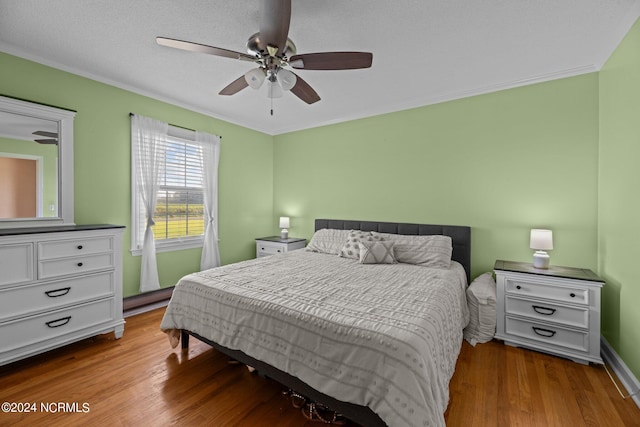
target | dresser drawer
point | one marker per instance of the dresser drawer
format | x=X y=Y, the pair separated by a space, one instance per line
x=16 y=263
x=76 y=265
x=74 y=247
x=28 y=299
x=574 y=295
x=549 y=312
x=268 y=248
x=547 y=334
x=30 y=330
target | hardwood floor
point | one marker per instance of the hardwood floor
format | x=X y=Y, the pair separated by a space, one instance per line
x=139 y=380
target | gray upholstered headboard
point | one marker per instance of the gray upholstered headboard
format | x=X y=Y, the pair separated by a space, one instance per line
x=460 y=235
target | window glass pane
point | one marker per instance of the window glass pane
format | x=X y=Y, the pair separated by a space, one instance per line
x=179 y=208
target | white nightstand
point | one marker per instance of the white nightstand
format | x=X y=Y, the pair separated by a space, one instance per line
x=555 y=311
x=275 y=245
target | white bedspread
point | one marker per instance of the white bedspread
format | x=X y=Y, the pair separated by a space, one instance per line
x=379 y=335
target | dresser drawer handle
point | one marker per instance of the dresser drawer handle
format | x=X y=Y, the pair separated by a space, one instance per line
x=79 y=247
x=547 y=333
x=58 y=292
x=572 y=295
x=58 y=322
x=80 y=264
x=543 y=310
x=518 y=287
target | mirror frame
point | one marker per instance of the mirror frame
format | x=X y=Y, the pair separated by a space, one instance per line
x=65 y=160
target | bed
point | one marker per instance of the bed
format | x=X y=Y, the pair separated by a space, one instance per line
x=372 y=342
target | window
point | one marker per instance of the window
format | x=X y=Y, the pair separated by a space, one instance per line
x=179 y=212
x=179 y=204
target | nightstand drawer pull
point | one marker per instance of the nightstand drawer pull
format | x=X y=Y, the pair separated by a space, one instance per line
x=79 y=247
x=80 y=264
x=547 y=311
x=58 y=322
x=547 y=333
x=58 y=292
x=518 y=287
x=572 y=295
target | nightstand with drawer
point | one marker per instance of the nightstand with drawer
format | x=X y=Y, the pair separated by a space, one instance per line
x=555 y=310
x=266 y=246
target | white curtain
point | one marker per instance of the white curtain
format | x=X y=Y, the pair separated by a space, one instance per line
x=211 y=157
x=149 y=138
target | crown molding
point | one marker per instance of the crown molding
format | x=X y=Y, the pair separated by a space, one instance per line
x=423 y=102
x=375 y=111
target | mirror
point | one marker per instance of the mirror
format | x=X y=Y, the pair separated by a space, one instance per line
x=36 y=164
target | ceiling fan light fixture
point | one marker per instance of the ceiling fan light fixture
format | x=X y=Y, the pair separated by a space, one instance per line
x=255 y=77
x=287 y=79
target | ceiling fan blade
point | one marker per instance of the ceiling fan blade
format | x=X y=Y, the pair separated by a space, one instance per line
x=275 y=17
x=203 y=48
x=46 y=141
x=305 y=92
x=235 y=86
x=46 y=134
x=332 y=61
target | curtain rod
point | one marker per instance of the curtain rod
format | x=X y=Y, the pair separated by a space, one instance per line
x=177 y=126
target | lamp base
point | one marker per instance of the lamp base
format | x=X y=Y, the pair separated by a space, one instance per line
x=541 y=260
x=284 y=234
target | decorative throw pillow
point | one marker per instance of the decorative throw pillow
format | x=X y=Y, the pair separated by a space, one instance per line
x=429 y=251
x=377 y=252
x=481 y=299
x=328 y=241
x=351 y=248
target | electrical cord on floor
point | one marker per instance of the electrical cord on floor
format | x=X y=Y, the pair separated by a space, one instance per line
x=616 y=384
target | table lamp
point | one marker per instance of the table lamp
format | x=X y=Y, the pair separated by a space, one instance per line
x=284 y=225
x=541 y=241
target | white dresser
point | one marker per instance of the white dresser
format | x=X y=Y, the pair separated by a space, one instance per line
x=555 y=311
x=58 y=285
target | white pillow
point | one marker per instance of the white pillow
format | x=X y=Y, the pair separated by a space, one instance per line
x=481 y=299
x=328 y=241
x=351 y=248
x=377 y=252
x=429 y=251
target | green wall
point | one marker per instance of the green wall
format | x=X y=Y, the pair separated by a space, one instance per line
x=102 y=158
x=619 y=199
x=502 y=163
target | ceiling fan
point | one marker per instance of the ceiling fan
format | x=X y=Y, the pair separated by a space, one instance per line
x=275 y=53
x=51 y=137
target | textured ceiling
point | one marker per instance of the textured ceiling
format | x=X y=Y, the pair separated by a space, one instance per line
x=424 y=51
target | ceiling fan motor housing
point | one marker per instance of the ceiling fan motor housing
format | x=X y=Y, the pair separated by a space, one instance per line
x=255 y=46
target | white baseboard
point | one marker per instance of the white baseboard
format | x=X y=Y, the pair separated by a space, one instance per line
x=624 y=374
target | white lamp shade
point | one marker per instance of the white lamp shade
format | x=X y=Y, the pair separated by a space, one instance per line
x=284 y=222
x=287 y=79
x=255 y=77
x=541 y=239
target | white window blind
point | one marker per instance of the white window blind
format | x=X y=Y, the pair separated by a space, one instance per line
x=179 y=205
